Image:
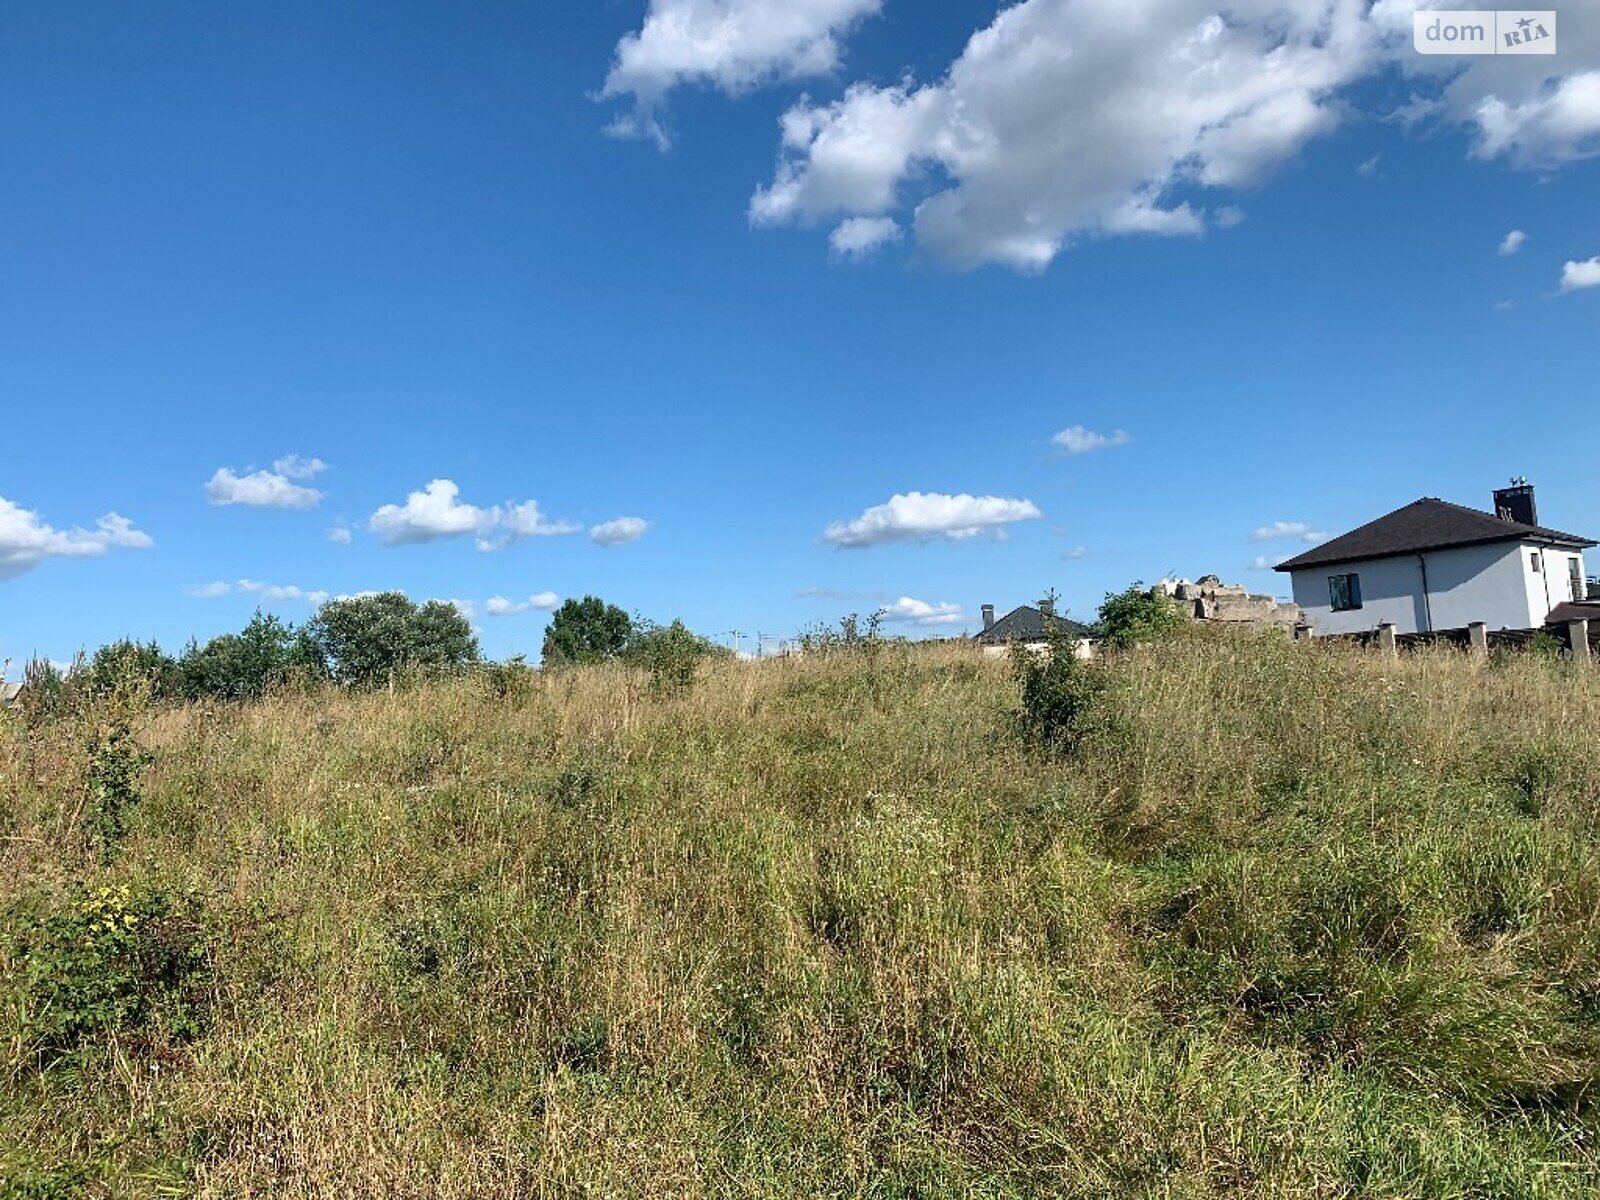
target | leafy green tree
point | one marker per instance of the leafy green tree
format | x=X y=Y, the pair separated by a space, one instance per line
x=368 y=640
x=121 y=663
x=1137 y=615
x=244 y=665
x=47 y=693
x=586 y=631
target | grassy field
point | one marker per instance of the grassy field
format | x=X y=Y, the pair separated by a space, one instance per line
x=1289 y=921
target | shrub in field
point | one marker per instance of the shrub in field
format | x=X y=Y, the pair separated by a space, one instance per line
x=671 y=653
x=854 y=637
x=124 y=664
x=111 y=960
x=47 y=693
x=114 y=757
x=511 y=680
x=1058 y=689
x=1137 y=615
x=111 y=783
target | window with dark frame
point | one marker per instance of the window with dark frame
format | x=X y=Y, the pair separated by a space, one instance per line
x=1533 y=560
x=1345 y=592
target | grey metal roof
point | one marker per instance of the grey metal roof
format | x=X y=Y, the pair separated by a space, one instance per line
x=1026 y=624
x=1426 y=524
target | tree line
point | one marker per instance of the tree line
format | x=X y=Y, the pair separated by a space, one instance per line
x=385 y=638
x=366 y=641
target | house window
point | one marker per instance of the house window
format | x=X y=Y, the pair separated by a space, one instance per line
x=1575 y=577
x=1533 y=560
x=1345 y=592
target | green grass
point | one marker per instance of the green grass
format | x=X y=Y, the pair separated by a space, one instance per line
x=1291 y=920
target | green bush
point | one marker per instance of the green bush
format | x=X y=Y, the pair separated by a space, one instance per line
x=1138 y=615
x=671 y=653
x=122 y=665
x=1058 y=689
x=854 y=636
x=112 y=960
x=111 y=784
x=511 y=680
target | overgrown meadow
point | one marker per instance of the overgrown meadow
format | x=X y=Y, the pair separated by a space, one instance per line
x=1267 y=919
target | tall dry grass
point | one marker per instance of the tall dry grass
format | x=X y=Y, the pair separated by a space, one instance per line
x=1291 y=921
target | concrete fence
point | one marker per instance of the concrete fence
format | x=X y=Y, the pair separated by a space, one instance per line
x=1581 y=638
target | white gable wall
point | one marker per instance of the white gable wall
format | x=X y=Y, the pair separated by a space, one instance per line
x=1494 y=583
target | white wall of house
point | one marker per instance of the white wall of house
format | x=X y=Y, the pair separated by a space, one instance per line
x=1495 y=584
x=1082 y=649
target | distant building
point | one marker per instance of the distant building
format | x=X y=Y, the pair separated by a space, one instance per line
x=1433 y=565
x=1209 y=599
x=1028 y=627
x=10 y=694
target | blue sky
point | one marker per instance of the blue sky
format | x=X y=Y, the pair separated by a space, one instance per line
x=562 y=254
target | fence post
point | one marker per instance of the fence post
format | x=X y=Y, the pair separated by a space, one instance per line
x=1578 y=639
x=1386 y=641
x=1478 y=635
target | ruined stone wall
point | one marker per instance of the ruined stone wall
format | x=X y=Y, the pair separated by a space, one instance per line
x=1209 y=599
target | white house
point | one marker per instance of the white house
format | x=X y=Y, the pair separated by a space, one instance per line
x=1433 y=566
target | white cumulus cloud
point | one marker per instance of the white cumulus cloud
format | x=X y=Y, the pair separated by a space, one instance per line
x=499 y=606
x=619 y=532
x=437 y=511
x=734 y=45
x=26 y=540
x=1544 y=123
x=339 y=535
x=1279 y=530
x=858 y=238
x=1062 y=120
x=1578 y=275
x=295 y=467
x=1512 y=242
x=924 y=516
x=267 y=593
x=263 y=489
x=1074 y=118
x=434 y=512
x=1075 y=439
x=910 y=611
x=525 y=520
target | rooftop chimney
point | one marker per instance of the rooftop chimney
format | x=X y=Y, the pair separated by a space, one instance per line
x=988 y=616
x=1515 y=503
x=1047 y=606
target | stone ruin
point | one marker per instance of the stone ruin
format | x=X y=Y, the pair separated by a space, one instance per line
x=1209 y=599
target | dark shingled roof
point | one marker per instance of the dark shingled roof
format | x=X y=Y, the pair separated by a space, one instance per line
x=1574 y=610
x=1426 y=524
x=1026 y=624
